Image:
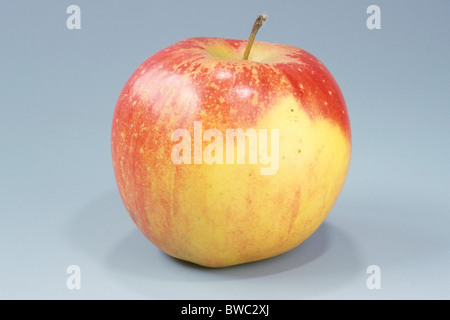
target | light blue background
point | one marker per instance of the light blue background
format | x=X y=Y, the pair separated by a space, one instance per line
x=59 y=203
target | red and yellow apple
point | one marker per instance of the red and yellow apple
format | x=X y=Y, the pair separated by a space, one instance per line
x=222 y=214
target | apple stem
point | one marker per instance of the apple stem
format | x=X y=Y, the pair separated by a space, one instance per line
x=258 y=23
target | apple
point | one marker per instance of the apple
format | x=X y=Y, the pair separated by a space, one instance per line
x=196 y=125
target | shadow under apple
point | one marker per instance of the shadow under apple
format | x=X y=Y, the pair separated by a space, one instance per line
x=104 y=231
x=138 y=256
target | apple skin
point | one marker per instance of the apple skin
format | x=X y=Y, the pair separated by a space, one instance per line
x=221 y=215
